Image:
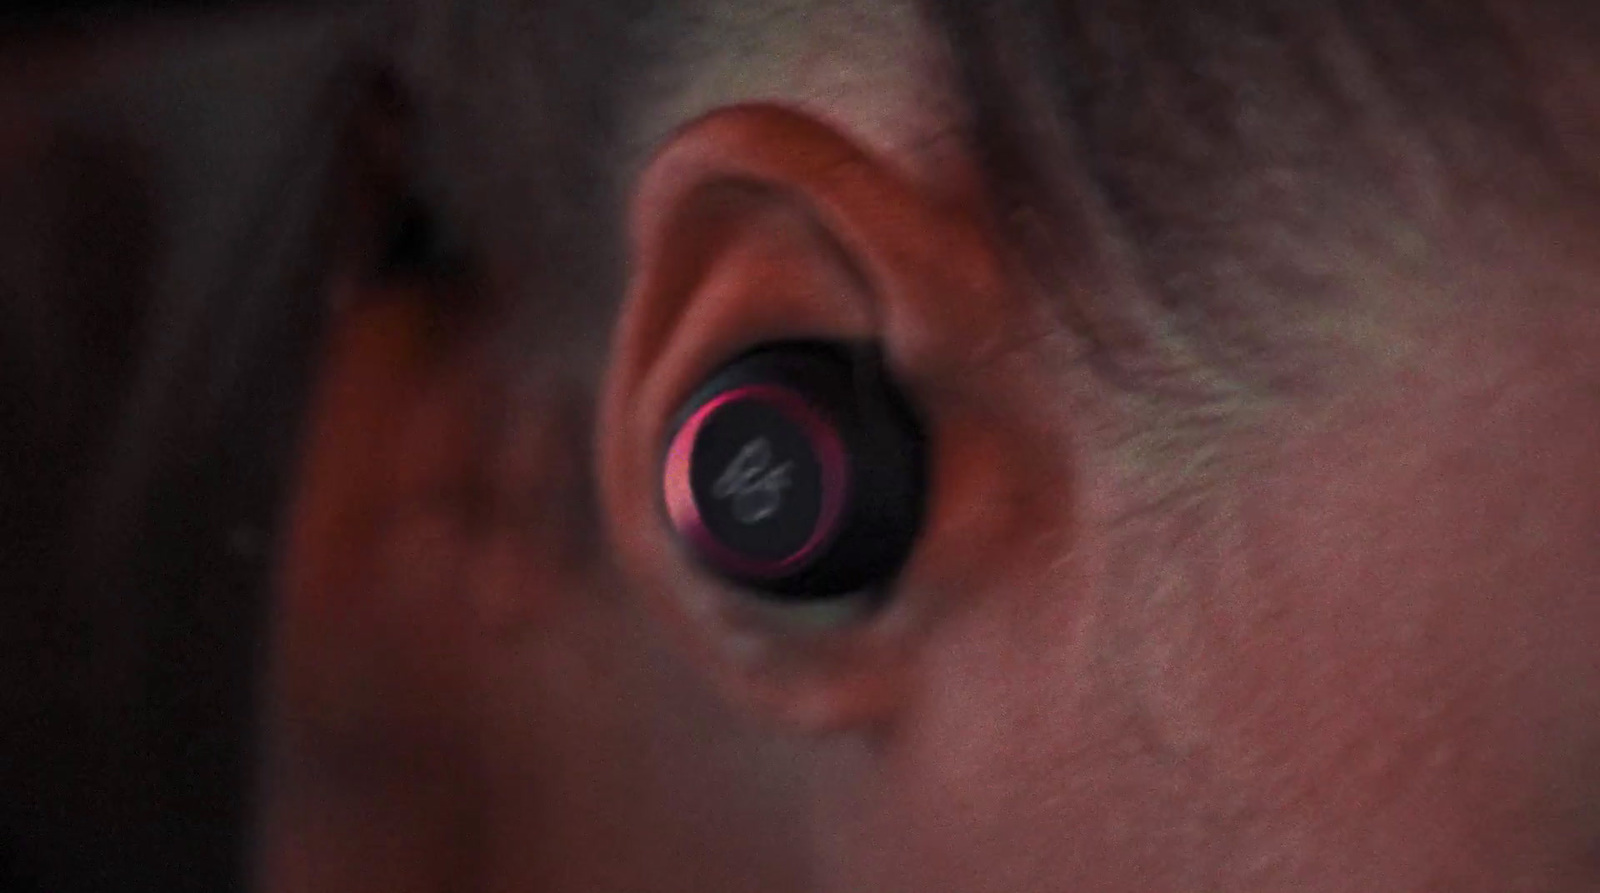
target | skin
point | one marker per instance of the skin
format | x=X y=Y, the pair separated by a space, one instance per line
x=1359 y=651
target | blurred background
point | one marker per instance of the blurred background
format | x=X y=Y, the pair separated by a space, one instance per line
x=163 y=169
x=32 y=12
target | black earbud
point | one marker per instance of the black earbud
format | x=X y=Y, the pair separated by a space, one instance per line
x=798 y=470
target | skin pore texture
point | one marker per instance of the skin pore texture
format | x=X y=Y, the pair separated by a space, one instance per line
x=1347 y=639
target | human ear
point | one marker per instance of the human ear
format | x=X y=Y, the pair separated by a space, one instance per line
x=376 y=657
x=759 y=225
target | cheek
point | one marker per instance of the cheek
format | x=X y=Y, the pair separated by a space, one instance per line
x=1401 y=665
x=1021 y=762
x=1385 y=675
x=1025 y=765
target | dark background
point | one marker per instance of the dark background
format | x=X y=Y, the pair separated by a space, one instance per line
x=162 y=171
x=33 y=12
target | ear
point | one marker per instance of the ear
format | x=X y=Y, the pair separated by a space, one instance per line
x=757 y=224
x=375 y=658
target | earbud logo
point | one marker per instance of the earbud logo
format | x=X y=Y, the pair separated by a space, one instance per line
x=755 y=487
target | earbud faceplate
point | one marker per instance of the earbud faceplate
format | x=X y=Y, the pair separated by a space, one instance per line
x=797 y=470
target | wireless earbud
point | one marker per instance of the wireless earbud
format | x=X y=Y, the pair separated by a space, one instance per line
x=797 y=470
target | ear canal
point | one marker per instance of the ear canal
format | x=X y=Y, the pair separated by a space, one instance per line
x=798 y=470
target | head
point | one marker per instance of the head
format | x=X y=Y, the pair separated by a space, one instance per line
x=1260 y=370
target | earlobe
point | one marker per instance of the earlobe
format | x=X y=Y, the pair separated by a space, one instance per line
x=759 y=225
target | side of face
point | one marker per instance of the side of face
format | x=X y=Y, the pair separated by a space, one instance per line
x=1369 y=665
x=1365 y=658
